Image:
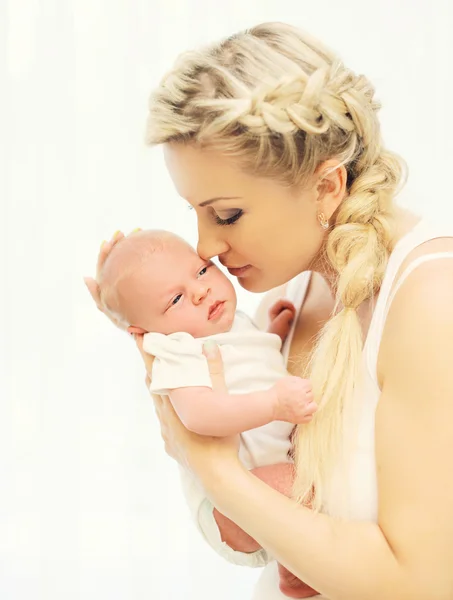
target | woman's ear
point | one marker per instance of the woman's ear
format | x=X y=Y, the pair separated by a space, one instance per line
x=132 y=330
x=331 y=186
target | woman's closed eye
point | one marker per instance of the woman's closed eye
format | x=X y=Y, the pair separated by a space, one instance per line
x=229 y=220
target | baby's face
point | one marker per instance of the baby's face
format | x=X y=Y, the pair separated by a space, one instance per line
x=175 y=290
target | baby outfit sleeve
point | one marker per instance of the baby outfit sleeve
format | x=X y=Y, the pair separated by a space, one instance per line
x=201 y=510
x=179 y=362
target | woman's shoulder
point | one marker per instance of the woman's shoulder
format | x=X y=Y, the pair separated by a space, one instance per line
x=420 y=295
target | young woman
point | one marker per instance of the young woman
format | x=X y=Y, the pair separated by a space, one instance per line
x=277 y=147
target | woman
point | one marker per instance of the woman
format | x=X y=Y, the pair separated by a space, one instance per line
x=277 y=147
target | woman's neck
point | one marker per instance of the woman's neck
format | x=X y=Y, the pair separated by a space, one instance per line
x=405 y=221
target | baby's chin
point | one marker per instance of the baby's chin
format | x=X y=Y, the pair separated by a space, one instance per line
x=223 y=325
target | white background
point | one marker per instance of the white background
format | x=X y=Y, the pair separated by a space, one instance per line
x=90 y=506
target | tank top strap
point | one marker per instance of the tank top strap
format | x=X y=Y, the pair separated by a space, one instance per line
x=296 y=291
x=421 y=233
x=410 y=268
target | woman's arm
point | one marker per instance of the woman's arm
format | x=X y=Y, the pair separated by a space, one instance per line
x=409 y=553
x=225 y=537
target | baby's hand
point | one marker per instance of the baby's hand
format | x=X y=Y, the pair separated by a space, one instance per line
x=294 y=400
x=281 y=316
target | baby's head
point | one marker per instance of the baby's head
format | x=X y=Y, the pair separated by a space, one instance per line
x=155 y=281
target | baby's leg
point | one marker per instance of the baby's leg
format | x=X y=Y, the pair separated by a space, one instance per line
x=280 y=477
x=292 y=586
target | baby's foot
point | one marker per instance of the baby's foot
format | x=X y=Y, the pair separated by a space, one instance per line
x=292 y=586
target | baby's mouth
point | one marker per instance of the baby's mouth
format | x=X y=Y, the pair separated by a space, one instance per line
x=215 y=309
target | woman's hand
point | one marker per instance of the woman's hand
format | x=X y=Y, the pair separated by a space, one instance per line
x=200 y=454
x=92 y=284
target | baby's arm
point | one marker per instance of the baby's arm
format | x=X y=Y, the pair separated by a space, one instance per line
x=209 y=412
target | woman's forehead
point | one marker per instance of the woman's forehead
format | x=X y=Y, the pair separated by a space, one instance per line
x=199 y=175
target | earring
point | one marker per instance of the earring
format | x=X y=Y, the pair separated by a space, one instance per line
x=323 y=221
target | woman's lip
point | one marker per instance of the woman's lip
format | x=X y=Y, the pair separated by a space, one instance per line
x=239 y=271
x=217 y=311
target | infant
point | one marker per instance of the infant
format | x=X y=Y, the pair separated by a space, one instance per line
x=156 y=284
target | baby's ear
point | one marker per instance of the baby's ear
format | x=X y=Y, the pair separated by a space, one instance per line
x=133 y=330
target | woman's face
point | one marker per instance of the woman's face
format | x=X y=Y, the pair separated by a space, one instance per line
x=262 y=231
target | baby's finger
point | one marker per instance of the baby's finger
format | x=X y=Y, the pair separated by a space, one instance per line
x=281 y=323
x=311 y=408
x=215 y=365
x=279 y=306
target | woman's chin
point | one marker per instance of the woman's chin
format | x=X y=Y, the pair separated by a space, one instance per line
x=256 y=285
x=258 y=282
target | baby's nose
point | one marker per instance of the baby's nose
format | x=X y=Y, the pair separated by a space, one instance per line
x=200 y=294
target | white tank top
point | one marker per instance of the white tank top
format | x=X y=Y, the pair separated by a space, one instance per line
x=352 y=493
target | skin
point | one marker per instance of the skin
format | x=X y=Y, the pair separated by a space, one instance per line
x=413 y=437
x=171 y=289
x=272 y=215
x=162 y=285
x=115 y=258
x=409 y=552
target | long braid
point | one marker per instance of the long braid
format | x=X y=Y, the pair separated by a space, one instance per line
x=281 y=104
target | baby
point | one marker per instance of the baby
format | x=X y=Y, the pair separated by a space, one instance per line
x=156 y=284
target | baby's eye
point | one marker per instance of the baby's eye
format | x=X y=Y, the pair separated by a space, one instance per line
x=176 y=299
x=203 y=271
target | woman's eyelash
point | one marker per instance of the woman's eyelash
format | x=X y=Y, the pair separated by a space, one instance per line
x=230 y=220
x=220 y=221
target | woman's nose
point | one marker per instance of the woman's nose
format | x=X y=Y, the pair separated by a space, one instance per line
x=210 y=243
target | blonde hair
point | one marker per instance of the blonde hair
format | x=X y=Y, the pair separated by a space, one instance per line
x=281 y=103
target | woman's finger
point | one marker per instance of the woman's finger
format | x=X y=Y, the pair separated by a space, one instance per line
x=147 y=358
x=93 y=288
x=215 y=365
x=106 y=248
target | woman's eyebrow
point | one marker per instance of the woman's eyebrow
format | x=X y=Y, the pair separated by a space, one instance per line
x=212 y=200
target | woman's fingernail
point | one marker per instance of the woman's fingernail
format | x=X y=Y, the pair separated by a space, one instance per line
x=136 y=229
x=210 y=348
x=116 y=233
x=102 y=243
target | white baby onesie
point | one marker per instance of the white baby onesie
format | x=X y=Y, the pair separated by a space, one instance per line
x=252 y=362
